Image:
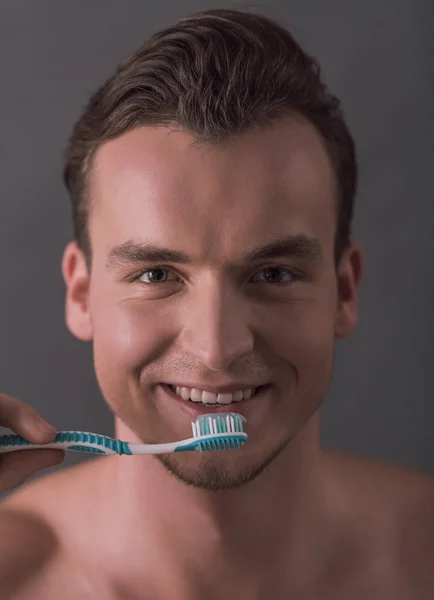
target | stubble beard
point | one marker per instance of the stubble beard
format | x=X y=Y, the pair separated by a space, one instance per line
x=220 y=473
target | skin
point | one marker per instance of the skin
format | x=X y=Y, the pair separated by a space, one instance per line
x=281 y=515
x=209 y=316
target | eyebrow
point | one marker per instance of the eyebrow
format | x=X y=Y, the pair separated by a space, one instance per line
x=133 y=252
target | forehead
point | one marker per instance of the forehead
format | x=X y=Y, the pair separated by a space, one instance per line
x=155 y=184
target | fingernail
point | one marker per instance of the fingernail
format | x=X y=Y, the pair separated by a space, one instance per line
x=44 y=427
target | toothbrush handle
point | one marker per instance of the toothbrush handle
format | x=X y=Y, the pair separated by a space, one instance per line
x=90 y=443
x=56 y=446
x=15 y=443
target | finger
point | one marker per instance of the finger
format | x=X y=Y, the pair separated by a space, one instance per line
x=25 y=420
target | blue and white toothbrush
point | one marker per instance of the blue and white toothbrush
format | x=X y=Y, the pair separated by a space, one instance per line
x=223 y=431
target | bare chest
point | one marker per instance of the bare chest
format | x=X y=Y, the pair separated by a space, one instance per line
x=67 y=579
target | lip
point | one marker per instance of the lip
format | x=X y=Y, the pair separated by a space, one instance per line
x=243 y=407
x=216 y=389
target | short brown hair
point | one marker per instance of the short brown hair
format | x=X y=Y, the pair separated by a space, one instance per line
x=215 y=74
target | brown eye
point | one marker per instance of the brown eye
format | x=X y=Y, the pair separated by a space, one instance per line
x=154 y=275
x=274 y=274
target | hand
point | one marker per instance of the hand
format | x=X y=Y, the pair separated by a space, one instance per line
x=17 y=466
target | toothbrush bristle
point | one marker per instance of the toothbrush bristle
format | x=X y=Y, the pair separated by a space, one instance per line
x=218 y=424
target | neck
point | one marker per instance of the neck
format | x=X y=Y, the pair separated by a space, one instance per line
x=192 y=540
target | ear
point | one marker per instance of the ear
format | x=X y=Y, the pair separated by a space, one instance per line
x=77 y=280
x=349 y=275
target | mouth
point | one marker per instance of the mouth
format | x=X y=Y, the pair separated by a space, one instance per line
x=196 y=408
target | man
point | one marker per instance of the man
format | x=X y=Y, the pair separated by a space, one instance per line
x=216 y=158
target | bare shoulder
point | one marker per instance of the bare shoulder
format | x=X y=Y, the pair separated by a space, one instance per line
x=384 y=484
x=392 y=507
x=369 y=470
x=27 y=545
x=32 y=537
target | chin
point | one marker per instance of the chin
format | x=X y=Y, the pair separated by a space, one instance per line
x=219 y=471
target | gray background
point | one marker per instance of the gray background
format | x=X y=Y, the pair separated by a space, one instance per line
x=377 y=57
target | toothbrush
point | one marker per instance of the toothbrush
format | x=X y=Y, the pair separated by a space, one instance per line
x=223 y=431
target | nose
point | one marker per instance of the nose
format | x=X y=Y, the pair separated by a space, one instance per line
x=215 y=327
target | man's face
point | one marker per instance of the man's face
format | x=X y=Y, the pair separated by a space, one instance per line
x=219 y=318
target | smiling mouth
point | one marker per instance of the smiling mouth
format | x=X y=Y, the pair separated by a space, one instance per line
x=236 y=400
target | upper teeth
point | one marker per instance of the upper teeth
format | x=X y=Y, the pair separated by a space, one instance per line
x=210 y=398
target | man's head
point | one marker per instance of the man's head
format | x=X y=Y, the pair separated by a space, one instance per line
x=215 y=138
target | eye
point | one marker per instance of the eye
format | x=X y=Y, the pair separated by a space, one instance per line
x=159 y=278
x=273 y=274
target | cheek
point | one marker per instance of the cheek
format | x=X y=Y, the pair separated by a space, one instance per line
x=128 y=335
x=301 y=334
x=311 y=334
x=303 y=329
